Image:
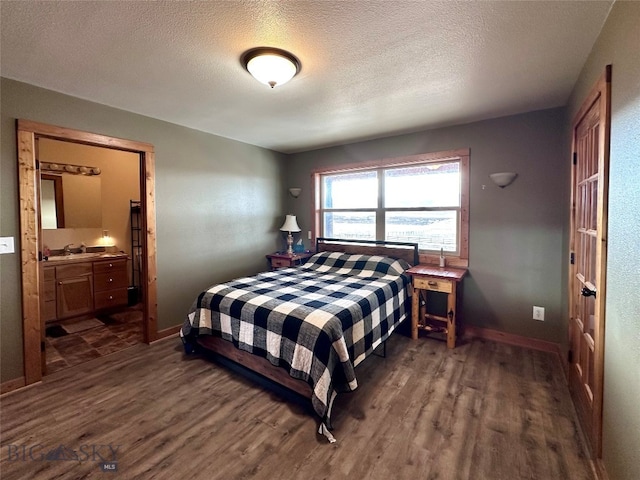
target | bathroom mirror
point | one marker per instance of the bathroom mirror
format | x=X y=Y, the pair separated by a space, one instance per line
x=70 y=201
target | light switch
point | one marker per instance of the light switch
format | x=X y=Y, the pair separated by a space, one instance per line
x=6 y=245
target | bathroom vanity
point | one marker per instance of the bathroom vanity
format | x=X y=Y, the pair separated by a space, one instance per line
x=82 y=284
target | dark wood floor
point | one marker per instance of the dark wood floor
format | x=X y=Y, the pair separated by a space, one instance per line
x=482 y=411
x=116 y=332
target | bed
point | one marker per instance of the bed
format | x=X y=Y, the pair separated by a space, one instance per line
x=308 y=327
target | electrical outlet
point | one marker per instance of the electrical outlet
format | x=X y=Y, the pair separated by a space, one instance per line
x=538 y=313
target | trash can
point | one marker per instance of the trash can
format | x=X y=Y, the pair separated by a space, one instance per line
x=132 y=296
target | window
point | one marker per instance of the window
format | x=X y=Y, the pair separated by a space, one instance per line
x=423 y=199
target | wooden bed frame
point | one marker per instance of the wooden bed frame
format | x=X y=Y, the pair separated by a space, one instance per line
x=223 y=348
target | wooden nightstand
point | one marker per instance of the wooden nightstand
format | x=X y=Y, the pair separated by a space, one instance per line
x=427 y=278
x=284 y=260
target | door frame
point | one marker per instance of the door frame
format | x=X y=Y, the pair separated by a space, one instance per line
x=27 y=134
x=601 y=90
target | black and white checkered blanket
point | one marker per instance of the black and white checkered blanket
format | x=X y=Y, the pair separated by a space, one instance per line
x=317 y=321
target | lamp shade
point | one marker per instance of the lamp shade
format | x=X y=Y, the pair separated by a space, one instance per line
x=295 y=192
x=271 y=66
x=290 y=224
x=502 y=179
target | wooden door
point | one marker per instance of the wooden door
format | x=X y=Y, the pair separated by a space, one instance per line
x=74 y=296
x=590 y=178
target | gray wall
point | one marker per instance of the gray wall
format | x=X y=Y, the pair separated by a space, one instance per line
x=219 y=203
x=516 y=234
x=618 y=45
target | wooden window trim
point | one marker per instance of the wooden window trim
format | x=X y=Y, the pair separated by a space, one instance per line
x=462 y=155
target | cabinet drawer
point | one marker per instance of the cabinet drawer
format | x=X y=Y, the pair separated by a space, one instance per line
x=432 y=284
x=110 y=266
x=110 y=281
x=111 y=298
x=75 y=270
x=280 y=262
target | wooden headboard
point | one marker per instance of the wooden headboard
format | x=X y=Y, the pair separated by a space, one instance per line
x=399 y=250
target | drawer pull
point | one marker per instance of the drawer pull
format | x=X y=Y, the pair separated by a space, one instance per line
x=110 y=280
x=111 y=265
x=110 y=297
x=431 y=283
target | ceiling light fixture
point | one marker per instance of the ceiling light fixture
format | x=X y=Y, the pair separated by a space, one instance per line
x=271 y=66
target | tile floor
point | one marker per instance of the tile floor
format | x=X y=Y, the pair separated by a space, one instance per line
x=119 y=331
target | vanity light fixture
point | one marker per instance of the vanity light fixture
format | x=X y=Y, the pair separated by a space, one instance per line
x=295 y=192
x=271 y=66
x=503 y=179
x=68 y=168
x=290 y=225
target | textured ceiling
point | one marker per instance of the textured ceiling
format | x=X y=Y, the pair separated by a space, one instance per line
x=369 y=68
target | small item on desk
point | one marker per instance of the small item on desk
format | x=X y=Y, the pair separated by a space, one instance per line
x=46 y=253
x=442 y=263
x=298 y=247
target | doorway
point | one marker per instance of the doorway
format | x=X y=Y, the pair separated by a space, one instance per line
x=587 y=272
x=85 y=197
x=31 y=239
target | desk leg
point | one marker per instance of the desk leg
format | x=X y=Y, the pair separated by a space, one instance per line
x=415 y=313
x=451 y=318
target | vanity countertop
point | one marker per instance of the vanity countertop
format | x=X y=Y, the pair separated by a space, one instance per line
x=82 y=257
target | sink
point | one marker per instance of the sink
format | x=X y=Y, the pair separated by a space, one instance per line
x=73 y=256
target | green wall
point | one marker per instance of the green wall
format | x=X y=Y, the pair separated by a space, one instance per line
x=219 y=203
x=218 y=199
x=619 y=45
x=516 y=233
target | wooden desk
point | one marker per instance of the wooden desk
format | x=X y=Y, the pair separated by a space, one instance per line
x=436 y=279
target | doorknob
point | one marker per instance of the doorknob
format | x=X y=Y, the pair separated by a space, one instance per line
x=586 y=292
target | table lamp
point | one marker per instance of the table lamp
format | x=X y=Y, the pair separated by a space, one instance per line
x=290 y=225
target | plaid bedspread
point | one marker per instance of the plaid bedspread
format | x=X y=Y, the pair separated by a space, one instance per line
x=317 y=321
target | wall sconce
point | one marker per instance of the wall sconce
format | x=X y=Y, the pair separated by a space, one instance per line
x=290 y=225
x=68 y=168
x=503 y=179
x=271 y=66
x=295 y=192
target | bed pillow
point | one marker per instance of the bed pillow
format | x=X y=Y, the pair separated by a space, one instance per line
x=355 y=264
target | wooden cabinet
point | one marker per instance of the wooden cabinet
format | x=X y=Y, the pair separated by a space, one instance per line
x=80 y=288
x=110 y=283
x=284 y=260
x=74 y=290
x=48 y=292
x=426 y=278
